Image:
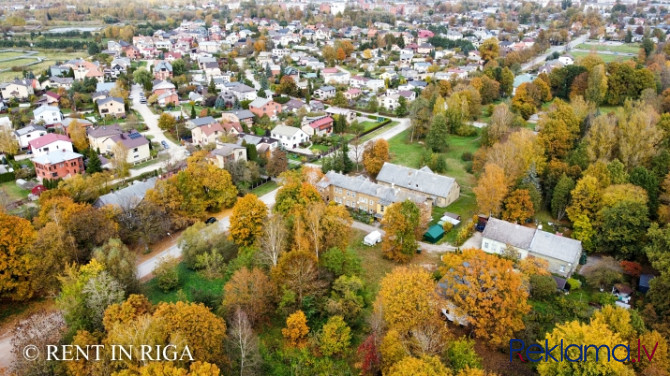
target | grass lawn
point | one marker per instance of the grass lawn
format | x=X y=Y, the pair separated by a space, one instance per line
x=379 y=131
x=367 y=125
x=10 y=54
x=320 y=148
x=16 y=63
x=410 y=154
x=14 y=192
x=265 y=188
x=189 y=282
x=146 y=163
x=625 y=48
x=607 y=58
x=374 y=265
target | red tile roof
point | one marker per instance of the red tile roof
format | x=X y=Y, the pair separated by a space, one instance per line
x=322 y=123
x=47 y=139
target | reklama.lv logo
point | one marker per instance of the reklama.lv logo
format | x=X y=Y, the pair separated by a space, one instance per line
x=575 y=352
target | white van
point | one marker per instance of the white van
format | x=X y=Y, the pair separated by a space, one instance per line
x=372 y=238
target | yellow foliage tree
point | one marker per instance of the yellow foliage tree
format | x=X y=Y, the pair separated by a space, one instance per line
x=424 y=366
x=374 y=156
x=486 y=289
x=518 y=206
x=16 y=259
x=295 y=333
x=246 y=222
x=491 y=190
x=251 y=291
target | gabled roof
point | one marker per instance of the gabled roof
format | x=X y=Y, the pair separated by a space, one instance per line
x=360 y=184
x=104 y=101
x=43 y=108
x=423 y=180
x=48 y=139
x=259 y=102
x=29 y=128
x=130 y=139
x=131 y=195
x=198 y=122
x=104 y=131
x=321 y=123
x=509 y=233
x=285 y=130
x=210 y=128
x=242 y=114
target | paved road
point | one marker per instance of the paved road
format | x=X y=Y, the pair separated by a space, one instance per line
x=249 y=74
x=145 y=268
x=542 y=58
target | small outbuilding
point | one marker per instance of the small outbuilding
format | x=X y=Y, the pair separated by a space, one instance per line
x=645 y=279
x=434 y=234
x=372 y=238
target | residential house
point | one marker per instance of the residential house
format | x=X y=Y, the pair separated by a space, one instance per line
x=48 y=115
x=293 y=105
x=358 y=192
x=17 y=89
x=112 y=106
x=352 y=93
x=566 y=60
x=58 y=82
x=86 y=69
x=161 y=87
x=241 y=91
x=226 y=153
x=317 y=126
x=58 y=165
x=51 y=98
x=97 y=135
x=29 y=133
x=238 y=116
x=349 y=115
x=135 y=145
x=128 y=197
x=206 y=133
x=162 y=70
x=560 y=252
x=289 y=137
x=49 y=143
x=325 y=92
x=199 y=122
x=265 y=106
x=442 y=190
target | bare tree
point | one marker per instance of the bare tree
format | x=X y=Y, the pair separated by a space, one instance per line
x=313 y=221
x=243 y=343
x=357 y=144
x=273 y=240
x=29 y=340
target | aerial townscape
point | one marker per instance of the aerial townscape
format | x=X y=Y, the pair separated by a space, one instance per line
x=335 y=187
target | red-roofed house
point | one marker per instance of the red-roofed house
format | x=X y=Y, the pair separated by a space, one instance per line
x=232 y=128
x=49 y=143
x=58 y=165
x=320 y=126
x=206 y=134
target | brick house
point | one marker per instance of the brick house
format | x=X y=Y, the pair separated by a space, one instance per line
x=320 y=126
x=58 y=165
x=264 y=106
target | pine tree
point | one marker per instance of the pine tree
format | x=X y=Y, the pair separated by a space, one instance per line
x=211 y=89
x=193 y=115
x=94 y=163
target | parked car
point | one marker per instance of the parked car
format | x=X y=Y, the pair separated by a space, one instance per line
x=210 y=220
x=165 y=144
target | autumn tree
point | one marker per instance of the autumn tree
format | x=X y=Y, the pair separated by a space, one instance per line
x=246 y=222
x=527 y=99
x=297 y=273
x=597 y=333
x=561 y=196
x=273 y=240
x=424 y=366
x=250 y=291
x=486 y=289
x=243 y=343
x=120 y=160
x=77 y=132
x=8 y=144
x=489 y=49
x=402 y=223
x=277 y=163
x=296 y=330
x=166 y=121
x=491 y=190
x=597 y=85
x=16 y=259
x=119 y=262
x=501 y=123
x=375 y=155
x=517 y=154
x=334 y=337
x=518 y=206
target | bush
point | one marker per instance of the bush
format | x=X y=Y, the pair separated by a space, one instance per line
x=542 y=286
x=466 y=156
x=341 y=262
x=167 y=274
x=447 y=226
x=465 y=233
x=461 y=354
x=574 y=284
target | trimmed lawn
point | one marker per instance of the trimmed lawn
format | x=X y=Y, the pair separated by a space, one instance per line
x=14 y=192
x=607 y=58
x=367 y=125
x=265 y=188
x=374 y=265
x=625 y=48
x=10 y=54
x=410 y=154
x=190 y=282
x=379 y=131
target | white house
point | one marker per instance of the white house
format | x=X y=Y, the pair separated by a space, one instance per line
x=290 y=137
x=50 y=143
x=325 y=92
x=566 y=60
x=50 y=115
x=29 y=133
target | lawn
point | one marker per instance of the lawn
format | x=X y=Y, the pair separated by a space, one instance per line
x=147 y=163
x=10 y=54
x=367 y=125
x=410 y=154
x=379 y=131
x=265 y=188
x=607 y=58
x=14 y=192
x=16 y=63
x=625 y=48
x=190 y=283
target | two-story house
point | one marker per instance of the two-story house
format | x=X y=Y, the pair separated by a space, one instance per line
x=265 y=106
x=134 y=144
x=97 y=135
x=28 y=133
x=290 y=137
x=206 y=133
x=48 y=115
x=50 y=143
x=442 y=190
x=58 y=165
x=18 y=89
x=227 y=153
x=112 y=106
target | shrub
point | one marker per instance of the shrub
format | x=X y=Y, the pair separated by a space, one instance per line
x=574 y=284
x=465 y=233
x=167 y=274
x=447 y=226
x=466 y=156
x=542 y=286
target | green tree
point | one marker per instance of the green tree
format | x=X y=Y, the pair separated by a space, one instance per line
x=436 y=139
x=335 y=336
x=119 y=261
x=623 y=226
x=506 y=82
x=561 y=196
x=94 y=164
x=144 y=78
x=401 y=110
x=597 y=85
x=339 y=99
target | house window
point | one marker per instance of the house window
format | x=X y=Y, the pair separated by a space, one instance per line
x=135 y=150
x=562 y=269
x=486 y=245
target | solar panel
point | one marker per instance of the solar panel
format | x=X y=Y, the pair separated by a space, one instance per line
x=135 y=135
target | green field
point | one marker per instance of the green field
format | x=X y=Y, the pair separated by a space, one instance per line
x=625 y=48
x=265 y=188
x=14 y=192
x=10 y=54
x=190 y=283
x=50 y=56
x=16 y=63
x=607 y=58
x=411 y=154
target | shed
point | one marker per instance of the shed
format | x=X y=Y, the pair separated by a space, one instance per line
x=372 y=238
x=434 y=233
x=643 y=286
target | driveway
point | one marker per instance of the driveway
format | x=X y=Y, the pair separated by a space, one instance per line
x=145 y=268
x=431 y=248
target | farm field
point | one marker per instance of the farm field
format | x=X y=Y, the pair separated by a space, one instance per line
x=625 y=48
x=607 y=58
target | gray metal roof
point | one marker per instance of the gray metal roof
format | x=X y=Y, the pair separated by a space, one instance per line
x=197 y=122
x=131 y=195
x=423 y=180
x=29 y=128
x=509 y=233
x=360 y=184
